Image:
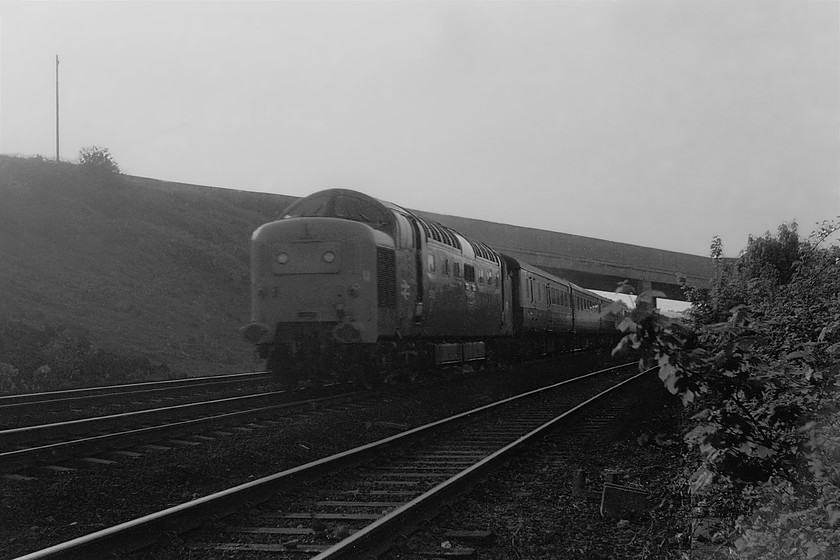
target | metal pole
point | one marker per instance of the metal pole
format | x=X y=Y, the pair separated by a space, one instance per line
x=56 y=108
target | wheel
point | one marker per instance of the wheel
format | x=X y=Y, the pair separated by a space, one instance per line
x=279 y=363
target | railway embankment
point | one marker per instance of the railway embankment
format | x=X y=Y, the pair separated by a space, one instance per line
x=135 y=270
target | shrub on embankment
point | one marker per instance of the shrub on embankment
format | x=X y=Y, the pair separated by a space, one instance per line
x=53 y=358
x=757 y=368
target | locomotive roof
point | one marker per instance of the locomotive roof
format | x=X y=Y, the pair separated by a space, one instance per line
x=379 y=214
x=344 y=203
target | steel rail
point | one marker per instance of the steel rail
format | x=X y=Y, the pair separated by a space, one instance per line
x=378 y=536
x=19 y=458
x=16 y=436
x=68 y=395
x=137 y=533
x=51 y=397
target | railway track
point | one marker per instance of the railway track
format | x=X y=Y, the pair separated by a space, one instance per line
x=366 y=495
x=88 y=431
x=76 y=403
x=548 y=502
x=27 y=446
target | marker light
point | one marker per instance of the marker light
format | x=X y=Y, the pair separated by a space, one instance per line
x=282 y=258
x=329 y=257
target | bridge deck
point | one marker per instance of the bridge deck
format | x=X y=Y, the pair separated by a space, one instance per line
x=592 y=263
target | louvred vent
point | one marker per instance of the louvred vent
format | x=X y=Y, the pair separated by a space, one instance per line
x=386 y=277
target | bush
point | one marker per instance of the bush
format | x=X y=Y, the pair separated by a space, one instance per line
x=48 y=359
x=98 y=162
x=757 y=368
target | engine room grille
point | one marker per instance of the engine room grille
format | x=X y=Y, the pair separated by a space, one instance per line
x=386 y=277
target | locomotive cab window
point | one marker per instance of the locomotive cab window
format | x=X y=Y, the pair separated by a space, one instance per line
x=457 y=266
x=480 y=276
x=344 y=204
x=311 y=207
x=444 y=266
x=431 y=261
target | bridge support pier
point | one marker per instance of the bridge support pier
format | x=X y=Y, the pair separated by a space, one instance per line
x=645 y=286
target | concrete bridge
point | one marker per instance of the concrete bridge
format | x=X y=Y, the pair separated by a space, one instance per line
x=591 y=263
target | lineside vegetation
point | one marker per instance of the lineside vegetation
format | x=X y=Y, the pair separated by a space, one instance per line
x=756 y=366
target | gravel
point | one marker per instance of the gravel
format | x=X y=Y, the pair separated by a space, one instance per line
x=61 y=506
x=532 y=510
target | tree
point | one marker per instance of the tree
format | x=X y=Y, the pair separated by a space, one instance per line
x=98 y=161
x=758 y=366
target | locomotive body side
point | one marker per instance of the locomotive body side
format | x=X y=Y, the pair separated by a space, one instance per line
x=463 y=291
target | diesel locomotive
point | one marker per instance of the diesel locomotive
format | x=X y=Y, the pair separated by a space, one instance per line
x=347 y=285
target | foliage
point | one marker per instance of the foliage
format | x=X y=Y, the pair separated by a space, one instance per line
x=52 y=358
x=757 y=365
x=98 y=162
x=763 y=267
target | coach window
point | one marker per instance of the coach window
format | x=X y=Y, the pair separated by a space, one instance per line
x=431 y=259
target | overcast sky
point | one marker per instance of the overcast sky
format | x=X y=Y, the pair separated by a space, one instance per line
x=656 y=123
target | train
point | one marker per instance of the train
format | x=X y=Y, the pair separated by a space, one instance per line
x=346 y=285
